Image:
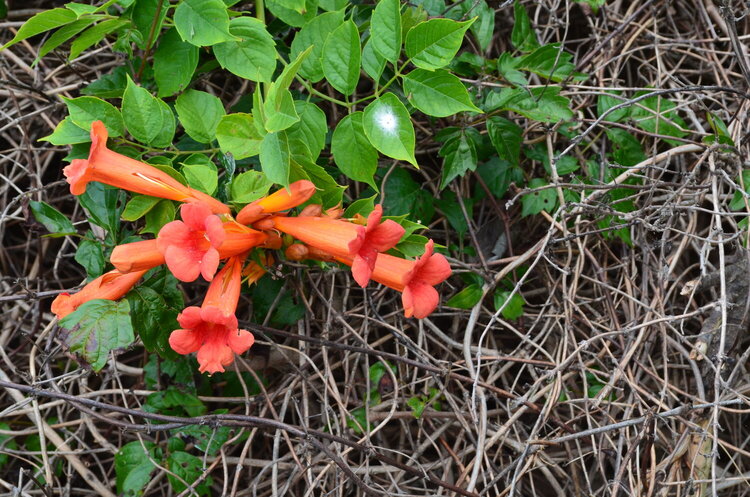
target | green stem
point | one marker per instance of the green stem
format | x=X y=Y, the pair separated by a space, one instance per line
x=150 y=40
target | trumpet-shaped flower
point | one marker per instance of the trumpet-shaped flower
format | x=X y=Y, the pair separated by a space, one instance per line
x=284 y=199
x=379 y=237
x=195 y=245
x=344 y=239
x=211 y=330
x=118 y=170
x=136 y=256
x=415 y=279
x=109 y=286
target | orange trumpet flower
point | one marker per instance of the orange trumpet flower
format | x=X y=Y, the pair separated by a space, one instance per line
x=118 y=170
x=196 y=244
x=212 y=329
x=136 y=256
x=284 y=199
x=109 y=286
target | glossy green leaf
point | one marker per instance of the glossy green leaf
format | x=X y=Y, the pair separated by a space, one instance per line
x=85 y=110
x=104 y=205
x=290 y=16
x=174 y=63
x=538 y=201
x=540 y=104
x=372 y=62
x=280 y=111
x=352 y=151
x=523 y=36
x=433 y=44
x=162 y=213
x=96 y=328
x=605 y=102
x=388 y=126
x=275 y=157
x=314 y=34
x=460 y=156
x=52 y=219
x=201 y=173
x=149 y=15
x=437 y=93
x=138 y=206
x=626 y=149
x=153 y=318
x=67 y=133
x=202 y=22
x=512 y=306
x=385 y=28
x=41 y=22
x=250 y=186
x=133 y=467
x=64 y=34
x=189 y=468
x=200 y=114
x=551 y=62
x=90 y=255
x=484 y=28
x=238 y=135
x=253 y=55
x=342 y=58
x=506 y=137
x=311 y=128
x=147 y=118
x=94 y=35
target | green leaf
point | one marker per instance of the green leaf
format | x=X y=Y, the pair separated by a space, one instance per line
x=145 y=17
x=362 y=206
x=543 y=104
x=253 y=55
x=328 y=193
x=133 y=467
x=606 y=102
x=466 y=298
x=41 y=22
x=8 y=442
x=162 y=213
x=484 y=29
x=188 y=468
x=51 y=218
x=102 y=203
x=202 y=22
x=147 y=118
x=275 y=157
x=417 y=405
x=451 y=208
x=110 y=85
x=342 y=57
x=96 y=328
x=498 y=174
x=238 y=135
x=138 y=206
x=357 y=420
x=311 y=128
x=594 y=4
x=657 y=115
x=290 y=16
x=626 y=150
x=523 y=36
x=506 y=137
x=314 y=34
x=412 y=245
x=372 y=62
x=460 y=155
x=433 y=44
x=550 y=61
x=208 y=439
x=174 y=63
x=67 y=133
x=410 y=17
x=153 y=318
x=513 y=308
x=385 y=27
x=250 y=186
x=94 y=35
x=85 y=110
x=403 y=195
x=388 y=127
x=91 y=256
x=64 y=34
x=437 y=93
x=536 y=202
x=200 y=114
x=201 y=173
x=507 y=67
x=352 y=151
x=280 y=111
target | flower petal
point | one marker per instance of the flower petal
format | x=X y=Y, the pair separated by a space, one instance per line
x=190 y=317
x=185 y=341
x=172 y=233
x=362 y=266
x=385 y=236
x=182 y=266
x=213 y=356
x=419 y=300
x=435 y=270
x=194 y=215
x=209 y=264
x=240 y=340
x=214 y=228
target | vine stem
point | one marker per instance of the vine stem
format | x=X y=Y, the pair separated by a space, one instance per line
x=150 y=40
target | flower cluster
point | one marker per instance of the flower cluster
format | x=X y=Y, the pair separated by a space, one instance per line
x=208 y=234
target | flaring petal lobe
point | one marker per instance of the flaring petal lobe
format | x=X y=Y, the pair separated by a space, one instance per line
x=184 y=341
x=183 y=268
